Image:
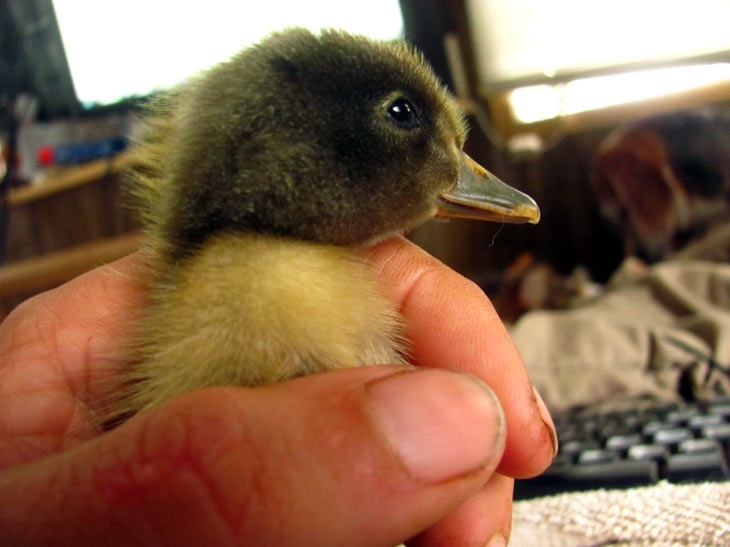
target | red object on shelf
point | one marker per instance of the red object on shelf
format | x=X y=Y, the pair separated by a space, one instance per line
x=45 y=155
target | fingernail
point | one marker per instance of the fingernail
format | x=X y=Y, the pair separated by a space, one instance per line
x=547 y=420
x=497 y=540
x=440 y=424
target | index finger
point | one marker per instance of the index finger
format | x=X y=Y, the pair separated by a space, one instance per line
x=452 y=324
x=68 y=337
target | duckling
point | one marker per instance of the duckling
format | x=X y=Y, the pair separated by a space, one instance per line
x=259 y=179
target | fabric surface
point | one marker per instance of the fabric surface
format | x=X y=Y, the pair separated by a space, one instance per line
x=661 y=515
x=652 y=335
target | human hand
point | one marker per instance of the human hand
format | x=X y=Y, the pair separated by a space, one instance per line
x=361 y=456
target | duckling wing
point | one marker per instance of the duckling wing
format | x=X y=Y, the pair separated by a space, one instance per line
x=252 y=310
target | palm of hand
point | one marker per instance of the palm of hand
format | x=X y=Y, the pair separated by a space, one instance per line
x=54 y=362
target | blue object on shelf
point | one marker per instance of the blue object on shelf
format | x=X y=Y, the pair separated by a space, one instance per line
x=80 y=153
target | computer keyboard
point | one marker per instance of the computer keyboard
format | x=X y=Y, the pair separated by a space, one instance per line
x=640 y=444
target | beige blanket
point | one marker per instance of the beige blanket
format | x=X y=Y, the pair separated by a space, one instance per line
x=655 y=334
x=662 y=515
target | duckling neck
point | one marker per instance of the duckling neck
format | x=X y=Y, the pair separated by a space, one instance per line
x=250 y=309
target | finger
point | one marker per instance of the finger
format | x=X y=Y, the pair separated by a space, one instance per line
x=452 y=324
x=101 y=304
x=483 y=519
x=55 y=349
x=313 y=461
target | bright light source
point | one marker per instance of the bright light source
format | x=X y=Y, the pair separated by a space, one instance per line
x=121 y=49
x=541 y=102
x=518 y=39
x=534 y=103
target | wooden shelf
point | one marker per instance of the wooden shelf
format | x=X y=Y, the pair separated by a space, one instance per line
x=71 y=177
x=42 y=272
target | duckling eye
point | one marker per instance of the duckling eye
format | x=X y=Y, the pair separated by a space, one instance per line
x=404 y=113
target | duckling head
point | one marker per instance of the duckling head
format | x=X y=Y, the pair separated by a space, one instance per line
x=325 y=137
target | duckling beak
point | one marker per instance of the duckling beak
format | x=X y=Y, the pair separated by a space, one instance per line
x=479 y=195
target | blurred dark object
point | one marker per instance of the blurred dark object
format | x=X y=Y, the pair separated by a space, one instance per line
x=32 y=58
x=530 y=284
x=665 y=180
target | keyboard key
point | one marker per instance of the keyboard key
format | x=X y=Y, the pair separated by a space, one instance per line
x=653 y=427
x=720 y=432
x=659 y=411
x=705 y=466
x=696 y=423
x=682 y=417
x=568 y=432
x=672 y=436
x=596 y=455
x=617 y=474
x=622 y=472
x=698 y=446
x=573 y=448
x=722 y=409
x=648 y=452
x=621 y=443
x=630 y=420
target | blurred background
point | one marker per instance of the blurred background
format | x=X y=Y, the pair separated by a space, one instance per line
x=612 y=115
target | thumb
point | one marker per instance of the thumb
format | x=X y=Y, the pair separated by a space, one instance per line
x=313 y=461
